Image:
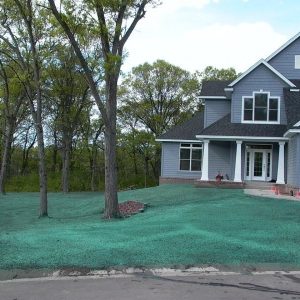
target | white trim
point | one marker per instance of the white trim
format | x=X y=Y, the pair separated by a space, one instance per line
x=228 y=89
x=290 y=41
x=251 y=161
x=262 y=61
x=290 y=133
x=294 y=90
x=253 y=112
x=205 y=165
x=176 y=141
x=297 y=124
x=281 y=164
x=190 y=159
x=238 y=162
x=244 y=138
x=213 y=97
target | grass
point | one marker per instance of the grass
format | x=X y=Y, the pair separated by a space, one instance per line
x=183 y=226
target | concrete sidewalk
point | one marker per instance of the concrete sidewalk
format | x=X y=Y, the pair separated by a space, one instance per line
x=148 y=286
x=269 y=194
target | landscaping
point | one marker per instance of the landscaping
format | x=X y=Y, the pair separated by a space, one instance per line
x=183 y=225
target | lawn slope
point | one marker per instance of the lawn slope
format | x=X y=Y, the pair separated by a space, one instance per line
x=183 y=225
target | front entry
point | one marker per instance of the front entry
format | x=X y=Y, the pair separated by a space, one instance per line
x=258 y=165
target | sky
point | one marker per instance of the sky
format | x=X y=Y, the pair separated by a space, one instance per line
x=193 y=34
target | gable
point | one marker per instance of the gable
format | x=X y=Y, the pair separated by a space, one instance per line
x=260 y=63
x=284 y=60
x=261 y=78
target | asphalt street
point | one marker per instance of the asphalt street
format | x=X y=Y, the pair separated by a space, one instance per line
x=146 y=287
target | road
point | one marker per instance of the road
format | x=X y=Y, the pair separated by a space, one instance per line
x=146 y=287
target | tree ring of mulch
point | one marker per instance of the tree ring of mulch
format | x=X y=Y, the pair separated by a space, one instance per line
x=130 y=208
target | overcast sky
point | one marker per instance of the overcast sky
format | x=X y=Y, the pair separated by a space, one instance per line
x=193 y=34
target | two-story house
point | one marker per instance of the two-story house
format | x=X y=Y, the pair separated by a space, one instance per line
x=249 y=129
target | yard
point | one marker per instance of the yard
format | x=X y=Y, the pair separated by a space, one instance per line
x=182 y=226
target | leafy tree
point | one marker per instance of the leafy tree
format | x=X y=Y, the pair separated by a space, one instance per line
x=156 y=97
x=111 y=23
x=13 y=110
x=23 y=29
x=212 y=73
x=69 y=103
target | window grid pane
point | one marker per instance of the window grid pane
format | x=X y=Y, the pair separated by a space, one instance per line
x=190 y=157
x=265 y=109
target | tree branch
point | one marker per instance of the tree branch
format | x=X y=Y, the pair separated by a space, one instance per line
x=84 y=65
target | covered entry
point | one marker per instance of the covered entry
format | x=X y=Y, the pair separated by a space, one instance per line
x=258 y=164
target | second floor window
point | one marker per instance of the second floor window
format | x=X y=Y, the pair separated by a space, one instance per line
x=261 y=108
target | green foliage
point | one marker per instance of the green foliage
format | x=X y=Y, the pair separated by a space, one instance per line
x=159 y=96
x=212 y=73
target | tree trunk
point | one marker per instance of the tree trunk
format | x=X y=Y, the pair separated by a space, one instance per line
x=42 y=171
x=111 y=194
x=5 y=157
x=66 y=165
x=111 y=180
x=54 y=154
x=93 y=165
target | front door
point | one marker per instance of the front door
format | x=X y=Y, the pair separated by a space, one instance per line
x=258 y=164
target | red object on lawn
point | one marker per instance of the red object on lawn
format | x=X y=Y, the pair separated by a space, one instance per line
x=129 y=208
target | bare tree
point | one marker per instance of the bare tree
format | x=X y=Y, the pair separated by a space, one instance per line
x=113 y=24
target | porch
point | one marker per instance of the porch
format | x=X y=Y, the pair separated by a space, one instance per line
x=244 y=159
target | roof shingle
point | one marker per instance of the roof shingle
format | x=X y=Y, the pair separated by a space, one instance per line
x=186 y=131
x=214 y=88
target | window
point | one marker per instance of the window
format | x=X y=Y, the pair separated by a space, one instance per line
x=260 y=108
x=190 y=157
x=297 y=61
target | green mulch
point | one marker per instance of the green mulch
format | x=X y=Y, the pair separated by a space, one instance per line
x=183 y=226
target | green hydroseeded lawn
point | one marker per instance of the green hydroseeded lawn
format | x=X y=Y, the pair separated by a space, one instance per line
x=183 y=226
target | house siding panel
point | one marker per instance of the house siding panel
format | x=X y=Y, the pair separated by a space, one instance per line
x=259 y=79
x=219 y=154
x=284 y=62
x=215 y=110
x=293 y=166
x=170 y=163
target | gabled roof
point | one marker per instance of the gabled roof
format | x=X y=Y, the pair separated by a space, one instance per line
x=186 y=131
x=212 y=88
x=224 y=127
x=262 y=62
x=290 y=41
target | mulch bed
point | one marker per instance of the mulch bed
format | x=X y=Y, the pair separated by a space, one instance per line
x=130 y=208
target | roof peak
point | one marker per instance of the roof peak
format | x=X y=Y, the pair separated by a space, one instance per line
x=265 y=63
x=290 y=41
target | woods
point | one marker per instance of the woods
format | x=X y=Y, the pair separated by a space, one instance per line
x=66 y=113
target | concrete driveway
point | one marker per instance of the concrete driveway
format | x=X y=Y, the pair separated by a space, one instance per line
x=146 y=287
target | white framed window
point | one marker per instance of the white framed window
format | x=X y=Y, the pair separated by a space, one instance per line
x=261 y=108
x=297 y=61
x=190 y=157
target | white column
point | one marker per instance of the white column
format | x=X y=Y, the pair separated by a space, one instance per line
x=238 y=162
x=204 y=176
x=280 y=172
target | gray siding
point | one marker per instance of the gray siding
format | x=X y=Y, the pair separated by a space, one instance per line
x=284 y=62
x=170 y=163
x=259 y=79
x=215 y=110
x=293 y=165
x=222 y=159
x=219 y=154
